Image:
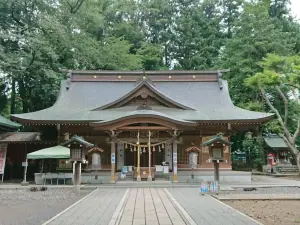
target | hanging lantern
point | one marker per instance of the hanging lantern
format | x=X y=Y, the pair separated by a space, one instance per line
x=162 y=145
x=153 y=149
x=144 y=150
x=131 y=149
x=134 y=149
x=126 y=146
x=159 y=149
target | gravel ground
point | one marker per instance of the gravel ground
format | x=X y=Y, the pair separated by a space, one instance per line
x=270 y=212
x=267 y=190
x=23 y=207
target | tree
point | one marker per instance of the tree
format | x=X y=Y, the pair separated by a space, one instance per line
x=281 y=74
x=254 y=36
x=231 y=11
x=38 y=38
x=197 y=34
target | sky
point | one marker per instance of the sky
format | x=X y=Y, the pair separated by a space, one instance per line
x=295 y=6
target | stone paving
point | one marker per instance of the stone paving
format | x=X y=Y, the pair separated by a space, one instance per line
x=150 y=206
x=207 y=210
x=97 y=208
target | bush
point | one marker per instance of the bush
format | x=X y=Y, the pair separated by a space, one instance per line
x=33 y=189
x=43 y=189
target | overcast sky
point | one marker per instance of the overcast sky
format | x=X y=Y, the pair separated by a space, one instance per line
x=296 y=8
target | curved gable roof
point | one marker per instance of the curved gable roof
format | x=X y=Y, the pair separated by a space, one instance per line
x=146 y=114
x=144 y=83
x=197 y=98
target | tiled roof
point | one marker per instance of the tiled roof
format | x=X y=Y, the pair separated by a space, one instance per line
x=275 y=141
x=8 y=137
x=78 y=139
x=206 y=100
x=148 y=113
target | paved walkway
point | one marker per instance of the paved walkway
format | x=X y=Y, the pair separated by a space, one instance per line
x=97 y=208
x=150 y=206
x=207 y=210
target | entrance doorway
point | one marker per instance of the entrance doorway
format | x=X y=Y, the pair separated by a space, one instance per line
x=131 y=158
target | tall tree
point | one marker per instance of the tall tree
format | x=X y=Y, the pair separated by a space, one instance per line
x=281 y=74
x=231 y=11
x=255 y=35
x=197 y=34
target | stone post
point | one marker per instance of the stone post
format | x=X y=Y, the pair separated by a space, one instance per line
x=77 y=176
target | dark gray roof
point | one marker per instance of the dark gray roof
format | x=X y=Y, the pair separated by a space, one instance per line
x=152 y=88
x=16 y=137
x=275 y=141
x=207 y=102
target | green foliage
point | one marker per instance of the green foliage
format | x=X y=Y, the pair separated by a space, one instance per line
x=250 y=146
x=38 y=38
x=197 y=36
x=255 y=35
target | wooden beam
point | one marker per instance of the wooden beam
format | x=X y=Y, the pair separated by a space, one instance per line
x=144 y=128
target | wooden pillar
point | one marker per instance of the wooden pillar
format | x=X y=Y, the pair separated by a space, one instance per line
x=175 y=178
x=138 y=170
x=216 y=171
x=113 y=161
x=149 y=158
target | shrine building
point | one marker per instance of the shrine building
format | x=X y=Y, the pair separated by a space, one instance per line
x=145 y=119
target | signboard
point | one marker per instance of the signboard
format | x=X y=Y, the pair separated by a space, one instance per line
x=3 y=148
x=175 y=157
x=209 y=187
x=113 y=158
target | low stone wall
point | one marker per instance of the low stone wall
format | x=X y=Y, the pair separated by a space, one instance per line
x=183 y=177
x=225 y=176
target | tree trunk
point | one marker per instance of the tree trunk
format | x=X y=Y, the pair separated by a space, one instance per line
x=298 y=161
x=22 y=93
x=13 y=97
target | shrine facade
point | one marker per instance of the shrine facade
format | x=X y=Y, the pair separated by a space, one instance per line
x=149 y=123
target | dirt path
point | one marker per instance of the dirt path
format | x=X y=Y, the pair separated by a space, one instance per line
x=270 y=212
x=22 y=207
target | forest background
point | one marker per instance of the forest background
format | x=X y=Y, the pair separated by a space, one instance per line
x=38 y=38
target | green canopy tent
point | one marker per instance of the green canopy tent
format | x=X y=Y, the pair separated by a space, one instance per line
x=56 y=152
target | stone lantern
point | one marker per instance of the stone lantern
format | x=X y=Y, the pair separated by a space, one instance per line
x=217 y=145
x=77 y=147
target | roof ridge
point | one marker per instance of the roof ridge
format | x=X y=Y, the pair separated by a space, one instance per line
x=142 y=72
